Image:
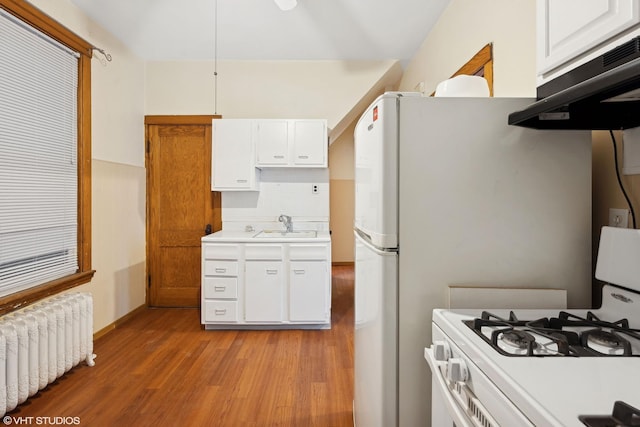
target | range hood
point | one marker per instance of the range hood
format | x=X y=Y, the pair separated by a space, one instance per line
x=602 y=94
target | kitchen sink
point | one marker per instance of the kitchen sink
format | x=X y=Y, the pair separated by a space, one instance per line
x=287 y=234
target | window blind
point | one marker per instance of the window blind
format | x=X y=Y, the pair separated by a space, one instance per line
x=38 y=157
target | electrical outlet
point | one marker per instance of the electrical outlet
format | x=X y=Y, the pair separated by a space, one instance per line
x=619 y=218
x=314 y=188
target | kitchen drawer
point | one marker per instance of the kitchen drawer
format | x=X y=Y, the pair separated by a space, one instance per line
x=308 y=252
x=220 y=287
x=263 y=252
x=220 y=268
x=220 y=311
x=214 y=251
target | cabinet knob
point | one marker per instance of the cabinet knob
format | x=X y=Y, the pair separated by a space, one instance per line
x=272 y=271
x=303 y=157
x=221 y=270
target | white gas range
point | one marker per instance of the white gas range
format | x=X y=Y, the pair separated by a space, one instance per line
x=545 y=368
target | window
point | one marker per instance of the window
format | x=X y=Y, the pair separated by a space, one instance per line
x=45 y=177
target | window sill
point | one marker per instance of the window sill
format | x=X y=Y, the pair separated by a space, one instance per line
x=24 y=298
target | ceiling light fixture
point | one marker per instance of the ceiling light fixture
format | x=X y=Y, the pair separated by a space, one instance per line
x=286 y=4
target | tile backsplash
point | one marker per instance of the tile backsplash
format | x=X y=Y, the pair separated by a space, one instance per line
x=282 y=191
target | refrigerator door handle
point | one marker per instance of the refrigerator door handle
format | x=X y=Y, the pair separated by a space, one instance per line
x=366 y=240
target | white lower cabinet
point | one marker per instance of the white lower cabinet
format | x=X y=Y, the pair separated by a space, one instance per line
x=308 y=291
x=219 y=285
x=262 y=285
x=263 y=289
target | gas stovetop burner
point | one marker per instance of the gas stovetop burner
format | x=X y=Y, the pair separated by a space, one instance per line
x=518 y=339
x=623 y=415
x=564 y=335
x=606 y=342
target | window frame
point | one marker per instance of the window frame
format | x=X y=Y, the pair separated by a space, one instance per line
x=480 y=65
x=42 y=22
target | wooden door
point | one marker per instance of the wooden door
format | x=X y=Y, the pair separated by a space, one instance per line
x=180 y=206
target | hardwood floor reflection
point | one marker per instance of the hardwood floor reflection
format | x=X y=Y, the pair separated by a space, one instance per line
x=162 y=368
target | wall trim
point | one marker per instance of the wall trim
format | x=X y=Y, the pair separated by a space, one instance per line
x=180 y=119
x=119 y=322
x=343 y=264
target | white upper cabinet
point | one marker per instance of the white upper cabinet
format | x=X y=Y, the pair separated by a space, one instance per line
x=572 y=32
x=291 y=143
x=272 y=142
x=233 y=167
x=310 y=142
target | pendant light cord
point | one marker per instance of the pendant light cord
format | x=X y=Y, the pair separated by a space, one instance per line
x=624 y=192
x=215 y=58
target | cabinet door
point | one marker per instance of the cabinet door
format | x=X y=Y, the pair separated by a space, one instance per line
x=309 y=142
x=309 y=291
x=569 y=28
x=264 y=285
x=272 y=142
x=233 y=165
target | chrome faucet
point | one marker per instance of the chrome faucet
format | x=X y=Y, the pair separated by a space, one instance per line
x=286 y=220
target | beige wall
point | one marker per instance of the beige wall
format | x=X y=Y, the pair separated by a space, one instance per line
x=463 y=29
x=265 y=89
x=118 y=174
x=271 y=89
x=126 y=89
x=606 y=190
x=342 y=197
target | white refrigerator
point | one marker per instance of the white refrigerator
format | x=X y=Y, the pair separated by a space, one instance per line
x=446 y=193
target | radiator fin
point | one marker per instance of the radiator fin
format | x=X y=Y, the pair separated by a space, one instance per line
x=40 y=343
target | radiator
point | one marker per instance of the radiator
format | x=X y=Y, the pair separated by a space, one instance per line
x=41 y=342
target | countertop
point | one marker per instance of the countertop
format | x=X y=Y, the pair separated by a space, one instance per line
x=229 y=236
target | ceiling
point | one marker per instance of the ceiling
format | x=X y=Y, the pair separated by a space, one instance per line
x=159 y=30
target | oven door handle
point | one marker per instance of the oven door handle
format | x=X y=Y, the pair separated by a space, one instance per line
x=458 y=415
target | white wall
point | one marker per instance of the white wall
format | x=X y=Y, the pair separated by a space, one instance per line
x=282 y=191
x=118 y=174
x=463 y=29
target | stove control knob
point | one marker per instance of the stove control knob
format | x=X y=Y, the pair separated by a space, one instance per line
x=457 y=370
x=441 y=351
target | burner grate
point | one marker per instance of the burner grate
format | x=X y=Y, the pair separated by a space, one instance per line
x=564 y=335
x=623 y=415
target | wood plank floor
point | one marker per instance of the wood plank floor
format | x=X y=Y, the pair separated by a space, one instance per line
x=161 y=368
